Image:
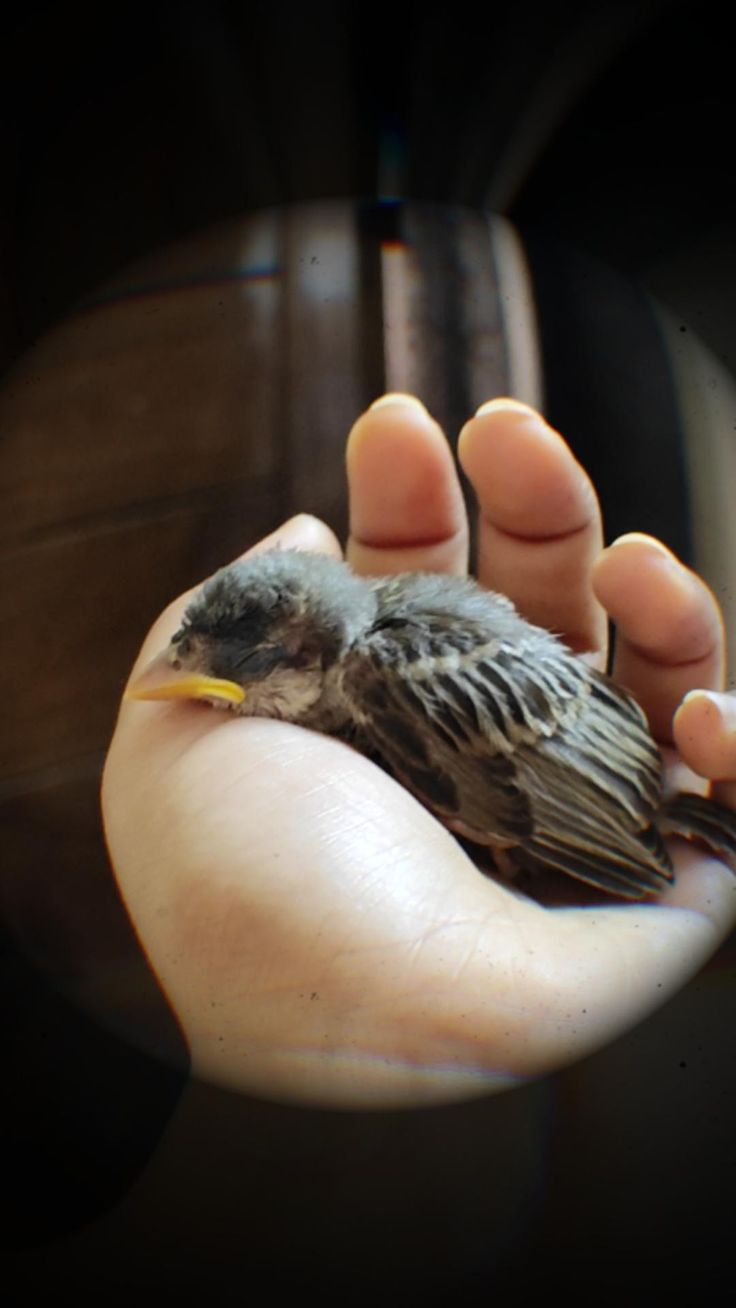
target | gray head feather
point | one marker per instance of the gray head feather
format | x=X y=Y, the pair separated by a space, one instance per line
x=278 y=588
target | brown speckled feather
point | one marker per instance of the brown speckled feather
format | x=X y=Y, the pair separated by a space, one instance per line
x=508 y=738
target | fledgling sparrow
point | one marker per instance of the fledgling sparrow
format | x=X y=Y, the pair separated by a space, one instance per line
x=506 y=736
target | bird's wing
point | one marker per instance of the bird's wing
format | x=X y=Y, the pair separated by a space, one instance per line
x=520 y=749
x=597 y=793
x=429 y=736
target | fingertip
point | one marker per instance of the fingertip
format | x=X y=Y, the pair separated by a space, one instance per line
x=406 y=504
x=704 y=730
x=631 y=549
x=387 y=425
x=642 y=538
x=539 y=519
x=505 y=415
x=398 y=398
x=669 y=631
x=507 y=404
x=302 y=532
x=662 y=608
x=527 y=479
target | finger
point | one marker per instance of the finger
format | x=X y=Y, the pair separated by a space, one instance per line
x=406 y=507
x=302 y=532
x=704 y=728
x=669 y=629
x=540 y=526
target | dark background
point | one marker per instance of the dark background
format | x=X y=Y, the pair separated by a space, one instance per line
x=605 y=133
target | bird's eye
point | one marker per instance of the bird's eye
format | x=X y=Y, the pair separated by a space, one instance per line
x=259 y=660
x=180 y=644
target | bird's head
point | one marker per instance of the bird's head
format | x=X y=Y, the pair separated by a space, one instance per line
x=261 y=634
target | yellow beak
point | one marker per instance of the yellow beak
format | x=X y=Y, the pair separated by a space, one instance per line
x=161 y=681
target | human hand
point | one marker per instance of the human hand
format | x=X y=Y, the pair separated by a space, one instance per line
x=321 y=937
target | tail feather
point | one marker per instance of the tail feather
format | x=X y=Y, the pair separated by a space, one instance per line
x=701 y=819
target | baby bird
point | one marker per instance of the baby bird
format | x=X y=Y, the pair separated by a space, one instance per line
x=508 y=738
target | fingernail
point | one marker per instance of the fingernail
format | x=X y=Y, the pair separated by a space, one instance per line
x=722 y=706
x=641 y=538
x=303 y=529
x=505 y=404
x=707 y=695
x=398 y=398
x=300 y=521
x=658 y=556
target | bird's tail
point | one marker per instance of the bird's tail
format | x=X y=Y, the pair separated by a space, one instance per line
x=701 y=819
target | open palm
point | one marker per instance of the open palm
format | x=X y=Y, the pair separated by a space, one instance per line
x=320 y=935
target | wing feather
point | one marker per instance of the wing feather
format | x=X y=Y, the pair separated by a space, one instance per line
x=528 y=749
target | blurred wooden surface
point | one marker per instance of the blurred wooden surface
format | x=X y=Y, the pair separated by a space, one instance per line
x=159 y=431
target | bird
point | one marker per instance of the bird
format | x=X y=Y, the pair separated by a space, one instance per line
x=510 y=739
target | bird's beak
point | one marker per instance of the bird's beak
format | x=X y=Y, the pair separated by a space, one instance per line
x=161 y=681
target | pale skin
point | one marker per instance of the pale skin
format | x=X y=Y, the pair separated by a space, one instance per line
x=321 y=937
